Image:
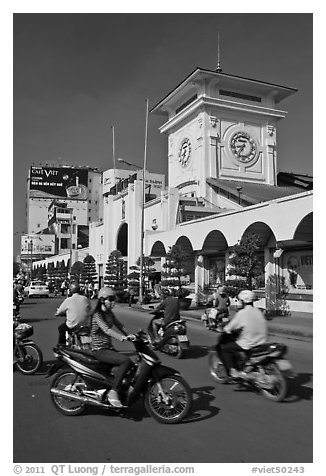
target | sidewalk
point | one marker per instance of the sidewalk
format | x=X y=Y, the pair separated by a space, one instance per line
x=297 y=325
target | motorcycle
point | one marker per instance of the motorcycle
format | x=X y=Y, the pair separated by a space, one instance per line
x=86 y=381
x=213 y=319
x=173 y=338
x=28 y=355
x=263 y=368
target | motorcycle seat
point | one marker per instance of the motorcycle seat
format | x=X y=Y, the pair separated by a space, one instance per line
x=179 y=321
x=266 y=348
x=83 y=355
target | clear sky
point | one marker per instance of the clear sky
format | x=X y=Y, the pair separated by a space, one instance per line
x=76 y=75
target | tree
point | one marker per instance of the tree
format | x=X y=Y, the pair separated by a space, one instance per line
x=174 y=271
x=115 y=271
x=244 y=261
x=89 y=272
x=76 y=271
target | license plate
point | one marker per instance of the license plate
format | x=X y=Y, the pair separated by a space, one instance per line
x=284 y=364
x=183 y=338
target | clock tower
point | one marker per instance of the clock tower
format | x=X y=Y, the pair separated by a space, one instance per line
x=223 y=127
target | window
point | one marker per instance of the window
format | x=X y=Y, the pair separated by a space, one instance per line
x=64 y=243
x=233 y=94
x=185 y=104
x=101 y=239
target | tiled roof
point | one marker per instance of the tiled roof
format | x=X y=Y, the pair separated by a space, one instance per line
x=252 y=193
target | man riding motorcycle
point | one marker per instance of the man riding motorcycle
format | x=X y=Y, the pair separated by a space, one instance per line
x=217 y=307
x=171 y=308
x=251 y=327
x=76 y=308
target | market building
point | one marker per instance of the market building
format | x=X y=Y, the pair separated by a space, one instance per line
x=224 y=181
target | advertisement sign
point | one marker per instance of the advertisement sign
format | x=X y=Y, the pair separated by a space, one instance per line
x=58 y=182
x=37 y=245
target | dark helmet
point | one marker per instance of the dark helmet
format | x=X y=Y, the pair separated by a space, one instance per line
x=74 y=288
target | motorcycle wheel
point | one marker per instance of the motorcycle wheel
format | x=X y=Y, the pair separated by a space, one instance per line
x=216 y=368
x=32 y=361
x=279 y=390
x=178 y=399
x=64 y=381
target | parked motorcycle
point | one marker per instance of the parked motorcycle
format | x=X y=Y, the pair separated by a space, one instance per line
x=173 y=338
x=214 y=320
x=263 y=368
x=28 y=355
x=86 y=381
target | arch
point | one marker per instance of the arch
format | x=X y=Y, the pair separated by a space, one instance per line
x=122 y=239
x=158 y=250
x=185 y=244
x=304 y=230
x=215 y=241
x=261 y=229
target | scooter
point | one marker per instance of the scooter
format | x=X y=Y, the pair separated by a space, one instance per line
x=213 y=318
x=28 y=355
x=264 y=368
x=83 y=381
x=173 y=338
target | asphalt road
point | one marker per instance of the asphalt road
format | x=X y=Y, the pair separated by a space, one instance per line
x=225 y=425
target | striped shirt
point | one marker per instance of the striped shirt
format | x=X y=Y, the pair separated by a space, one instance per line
x=101 y=329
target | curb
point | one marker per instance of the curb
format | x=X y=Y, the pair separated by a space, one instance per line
x=290 y=332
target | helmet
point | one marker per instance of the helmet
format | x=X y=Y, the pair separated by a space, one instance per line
x=74 y=288
x=247 y=296
x=105 y=292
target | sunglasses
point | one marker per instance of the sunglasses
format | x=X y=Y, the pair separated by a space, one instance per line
x=110 y=298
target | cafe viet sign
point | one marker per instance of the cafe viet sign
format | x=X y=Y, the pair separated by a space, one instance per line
x=58 y=182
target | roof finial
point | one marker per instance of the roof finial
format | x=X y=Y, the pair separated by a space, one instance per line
x=218 y=69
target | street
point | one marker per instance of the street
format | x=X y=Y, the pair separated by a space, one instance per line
x=225 y=425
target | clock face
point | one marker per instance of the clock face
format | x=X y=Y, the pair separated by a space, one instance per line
x=243 y=146
x=184 y=152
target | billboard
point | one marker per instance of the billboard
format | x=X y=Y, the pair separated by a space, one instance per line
x=37 y=245
x=58 y=182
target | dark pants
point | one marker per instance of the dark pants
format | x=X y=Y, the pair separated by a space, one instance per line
x=228 y=351
x=114 y=358
x=63 y=328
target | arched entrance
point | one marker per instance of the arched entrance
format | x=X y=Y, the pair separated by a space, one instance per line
x=213 y=251
x=122 y=240
x=187 y=248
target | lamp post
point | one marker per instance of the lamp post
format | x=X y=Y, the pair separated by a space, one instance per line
x=30 y=248
x=142 y=226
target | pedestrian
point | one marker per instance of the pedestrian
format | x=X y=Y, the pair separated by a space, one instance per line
x=131 y=295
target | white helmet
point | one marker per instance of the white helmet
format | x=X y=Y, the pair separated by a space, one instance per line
x=247 y=296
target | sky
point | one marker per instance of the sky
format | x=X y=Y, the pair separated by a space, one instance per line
x=75 y=75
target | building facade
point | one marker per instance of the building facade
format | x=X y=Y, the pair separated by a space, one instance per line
x=224 y=182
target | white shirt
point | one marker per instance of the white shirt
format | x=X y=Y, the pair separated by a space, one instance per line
x=77 y=309
x=253 y=324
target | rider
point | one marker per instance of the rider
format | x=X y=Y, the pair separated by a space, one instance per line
x=76 y=308
x=102 y=322
x=170 y=305
x=252 y=327
x=221 y=302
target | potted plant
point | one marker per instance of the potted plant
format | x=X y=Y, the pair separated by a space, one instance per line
x=173 y=275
